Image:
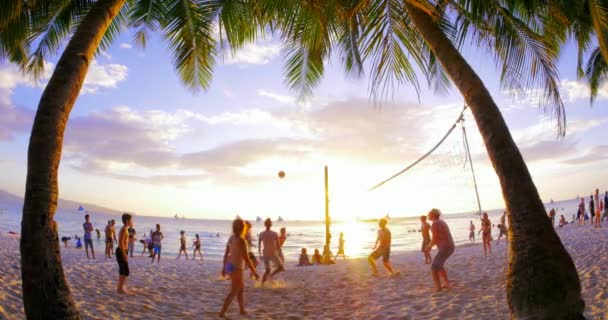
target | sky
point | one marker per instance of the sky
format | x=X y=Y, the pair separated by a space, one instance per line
x=138 y=140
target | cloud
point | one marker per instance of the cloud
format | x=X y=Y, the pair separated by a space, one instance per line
x=125 y=45
x=593 y=154
x=284 y=99
x=13 y=119
x=103 y=76
x=254 y=54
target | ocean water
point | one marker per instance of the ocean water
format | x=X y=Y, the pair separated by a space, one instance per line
x=359 y=235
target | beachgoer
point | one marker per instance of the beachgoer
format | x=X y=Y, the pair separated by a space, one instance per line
x=316 y=257
x=581 y=212
x=327 y=255
x=132 y=237
x=341 y=247
x=425 y=230
x=471 y=231
x=442 y=238
x=249 y=242
x=88 y=238
x=98 y=234
x=303 y=260
x=382 y=248
x=502 y=227
x=598 y=210
x=65 y=241
x=486 y=234
x=114 y=232
x=109 y=239
x=591 y=209
x=197 y=247
x=235 y=259
x=282 y=239
x=121 y=253
x=551 y=217
x=157 y=238
x=605 y=206
x=268 y=243
x=78 y=243
x=562 y=221
x=182 y=245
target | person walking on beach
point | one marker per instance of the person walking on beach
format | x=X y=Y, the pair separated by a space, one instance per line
x=109 y=239
x=121 y=253
x=340 y=247
x=471 y=231
x=382 y=248
x=197 y=247
x=442 y=238
x=598 y=210
x=425 y=230
x=502 y=227
x=268 y=244
x=486 y=234
x=235 y=259
x=132 y=238
x=157 y=238
x=182 y=245
x=88 y=236
x=552 y=214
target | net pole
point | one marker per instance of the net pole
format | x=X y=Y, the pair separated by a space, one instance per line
x=326 y=255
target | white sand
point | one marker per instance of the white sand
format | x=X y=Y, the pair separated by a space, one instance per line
x=191 y=290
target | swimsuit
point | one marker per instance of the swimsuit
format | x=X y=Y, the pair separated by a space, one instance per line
x=123 y=265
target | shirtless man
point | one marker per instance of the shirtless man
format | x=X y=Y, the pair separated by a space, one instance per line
x=425 y=229
x=270 y=251
x=382 y=248
x=109 y=231
x=121 y=253
x=88 y=238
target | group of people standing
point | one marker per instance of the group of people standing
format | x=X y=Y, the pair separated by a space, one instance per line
x=598 y=209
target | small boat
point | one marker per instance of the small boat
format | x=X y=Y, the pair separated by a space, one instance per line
x=258 y=219
x=280 y=219
x=176 y=216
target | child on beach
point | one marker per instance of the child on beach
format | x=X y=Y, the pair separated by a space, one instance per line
x=121 y=253
x=581 y=212
x=197 y=247
x=316 y=257
x=88 y=237
x=471 y=231
x=425 y=229
x=486 y=234
x=268 y=243
x=235 y=259
x=182 y=245
x=442 y=238
x=157 y=238
x=303 y=260
x=562 y=221
x=341 y=247
x=382 y=248
x=78 y=242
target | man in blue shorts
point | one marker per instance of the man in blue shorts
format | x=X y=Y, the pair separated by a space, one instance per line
x=88 y=239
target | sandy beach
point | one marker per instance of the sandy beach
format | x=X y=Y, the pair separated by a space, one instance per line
x=192 y=289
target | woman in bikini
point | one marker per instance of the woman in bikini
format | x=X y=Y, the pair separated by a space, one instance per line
x=486 y=234
x=235 y=259
x=197 y=247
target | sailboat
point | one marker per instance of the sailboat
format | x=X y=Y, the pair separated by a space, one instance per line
x=258 y=219
x=279 y=219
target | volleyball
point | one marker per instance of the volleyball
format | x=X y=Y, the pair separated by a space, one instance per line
x=281 y=174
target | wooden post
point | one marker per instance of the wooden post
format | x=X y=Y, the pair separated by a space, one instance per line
x=326 y=255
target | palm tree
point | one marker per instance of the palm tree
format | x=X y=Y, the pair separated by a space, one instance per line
x=186 y=25
x=396 y=36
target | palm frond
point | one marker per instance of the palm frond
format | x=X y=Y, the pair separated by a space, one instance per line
x=599 y=17
x=146 y=16
x=188 y=29
x=596 y=73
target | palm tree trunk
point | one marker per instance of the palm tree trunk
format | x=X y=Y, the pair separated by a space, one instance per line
x=542 y=280
x=46 y=294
